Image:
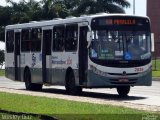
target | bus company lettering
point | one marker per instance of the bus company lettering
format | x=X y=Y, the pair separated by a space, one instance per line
x=58 y=62
x=33 y=60
x=54 y=57
x=40 y=57
x=68 y=61
x=124 y=22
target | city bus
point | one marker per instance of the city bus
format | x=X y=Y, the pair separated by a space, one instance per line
x=90 y=51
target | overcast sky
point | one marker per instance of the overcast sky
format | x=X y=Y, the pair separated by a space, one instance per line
x=140 y=9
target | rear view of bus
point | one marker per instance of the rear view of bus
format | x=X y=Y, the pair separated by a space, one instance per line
x=120 y=53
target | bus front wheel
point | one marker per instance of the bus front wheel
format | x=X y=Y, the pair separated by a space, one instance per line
x=28 y=84
x=123 y=90
x=70 y=85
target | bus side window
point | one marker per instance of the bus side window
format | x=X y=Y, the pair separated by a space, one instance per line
x=58 y=38
x=10 y=41
x=25 y=41
x=71 y=37
x=36 y=36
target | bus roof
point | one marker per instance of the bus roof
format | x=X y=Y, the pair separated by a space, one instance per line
x=67 y=20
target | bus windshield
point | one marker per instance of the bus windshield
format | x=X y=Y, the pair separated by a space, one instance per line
x=120 y=45
x=123 y=38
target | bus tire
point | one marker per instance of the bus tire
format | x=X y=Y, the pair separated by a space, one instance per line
x=37 y=87
x=70 y=85
x=27 y=79
x=123 y=90
x=28 y=84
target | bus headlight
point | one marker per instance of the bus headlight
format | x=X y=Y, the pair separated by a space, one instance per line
x=98 y=72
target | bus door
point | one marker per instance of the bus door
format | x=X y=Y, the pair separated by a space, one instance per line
x=46 y=55
x=17 y=38
x=83 y=53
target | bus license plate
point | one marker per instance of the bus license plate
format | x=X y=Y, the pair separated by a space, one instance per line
x=123 y=80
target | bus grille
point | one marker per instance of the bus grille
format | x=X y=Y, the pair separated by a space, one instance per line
x=117 y=81
x=122 y=73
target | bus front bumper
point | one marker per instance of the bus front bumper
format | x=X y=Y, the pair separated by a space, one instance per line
x=110 y=81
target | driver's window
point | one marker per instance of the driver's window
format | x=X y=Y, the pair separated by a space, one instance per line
x=142 y=42
x=94 y=35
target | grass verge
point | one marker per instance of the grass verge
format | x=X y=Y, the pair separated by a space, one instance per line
x=155 y=73
x=63 y=109
x=156 y=64
x=2 y=72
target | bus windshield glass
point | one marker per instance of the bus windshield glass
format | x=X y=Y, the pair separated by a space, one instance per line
x=120 y=43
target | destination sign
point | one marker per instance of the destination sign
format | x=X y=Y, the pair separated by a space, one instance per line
x=117 y=22
x=121 y=21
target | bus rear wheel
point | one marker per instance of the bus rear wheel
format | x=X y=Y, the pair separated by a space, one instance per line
x=28 y=84
x=123 y=90
x=70 y=85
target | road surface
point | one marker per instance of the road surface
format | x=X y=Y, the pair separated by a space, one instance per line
x=138 y=96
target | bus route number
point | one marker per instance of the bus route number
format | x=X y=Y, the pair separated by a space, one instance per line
x=139 y=69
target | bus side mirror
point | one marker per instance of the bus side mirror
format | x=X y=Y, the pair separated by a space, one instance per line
x=89 y=38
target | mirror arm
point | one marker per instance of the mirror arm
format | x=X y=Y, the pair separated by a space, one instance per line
x=89 y=43
x=89 y=27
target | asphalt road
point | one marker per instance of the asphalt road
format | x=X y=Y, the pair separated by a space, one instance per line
x=138 y=95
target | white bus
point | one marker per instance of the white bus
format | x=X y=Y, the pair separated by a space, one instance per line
x=94 y=51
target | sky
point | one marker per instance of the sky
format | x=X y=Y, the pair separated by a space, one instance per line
x=140 y=9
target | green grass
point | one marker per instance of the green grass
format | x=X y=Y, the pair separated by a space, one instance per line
x=2 y=72
x=66 y=109
x=42 y=105
x=157 y=63
x=156 y=69
x=156 y=73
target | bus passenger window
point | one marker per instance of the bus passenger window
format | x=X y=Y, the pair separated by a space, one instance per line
x=25 y=41
x=71 y=37
x=58 y=38
x=36 y=36
x=10 y=41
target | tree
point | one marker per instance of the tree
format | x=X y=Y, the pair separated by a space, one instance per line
x=24 y=11
x=5 y=13
x=53 y=9
x=1 y=58
x=97 y=6
x=71 y=6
